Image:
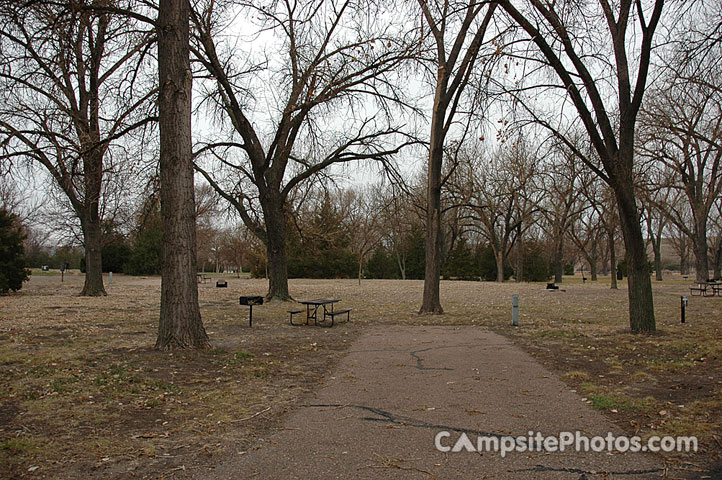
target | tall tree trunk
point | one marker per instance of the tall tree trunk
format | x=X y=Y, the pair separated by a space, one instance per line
x=593 y=268
x=594 y=260
x=656 y=241
x=657 y=248
x=90 y=215
x=519 y=274
x=641 y=303
x=612 y=260
x=180 y=323
x=432 y=302
x=684 y=261
x=92 y=241
x=499 y=257
x=701 y=263
x=402 y=266
x=717 y=259
x=277 y=272
x=559 y=261
x=276 y=249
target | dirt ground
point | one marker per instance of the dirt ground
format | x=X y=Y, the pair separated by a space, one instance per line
x=83 y=394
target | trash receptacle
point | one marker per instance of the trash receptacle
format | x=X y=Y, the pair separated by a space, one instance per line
x=619 y=275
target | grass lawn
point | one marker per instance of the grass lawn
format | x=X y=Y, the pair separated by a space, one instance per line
x=83 y=394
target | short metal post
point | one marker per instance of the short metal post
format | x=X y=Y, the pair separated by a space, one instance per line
x=515 y=310
x=250 y=315
x=683 y=304
x=110 y=281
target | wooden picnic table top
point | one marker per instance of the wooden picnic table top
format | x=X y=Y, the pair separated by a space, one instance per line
x=320 y=301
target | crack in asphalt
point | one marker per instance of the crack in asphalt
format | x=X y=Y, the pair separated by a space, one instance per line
x=420 y=361
x=544 y=468
x=388 y=417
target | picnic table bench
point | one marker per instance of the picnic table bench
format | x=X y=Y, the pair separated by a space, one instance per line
x=706 y=289
x=312 y=311
x=203 y=278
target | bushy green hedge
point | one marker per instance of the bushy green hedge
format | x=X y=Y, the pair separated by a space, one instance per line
x=12 y=253
x=382 y=264
x=147 y=254
x=487 y=265
x=462 y=263
x=536 y=265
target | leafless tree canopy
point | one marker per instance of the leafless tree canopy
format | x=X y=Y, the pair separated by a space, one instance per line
x=74 y=91
x=331 y=60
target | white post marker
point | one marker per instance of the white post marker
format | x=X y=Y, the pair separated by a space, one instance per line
x=111 y=278
x=515 y=310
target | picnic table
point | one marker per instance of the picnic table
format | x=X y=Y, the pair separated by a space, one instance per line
x=704 y=289
x=312 y=311
x=202 y=277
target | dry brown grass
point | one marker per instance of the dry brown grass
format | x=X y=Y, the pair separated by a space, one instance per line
x=83 y=393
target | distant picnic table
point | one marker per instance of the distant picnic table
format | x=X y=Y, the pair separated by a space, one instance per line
x=706 y=289
x=312 y=311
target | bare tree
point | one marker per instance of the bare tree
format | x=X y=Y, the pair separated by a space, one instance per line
x=585 y=234
x=180 y=323
x=458 y=30
x=681 y=245
x=363 y=215
x=208 y=233
x=73 y=89
x=400 y=214
x=656 y=194
x=563 y=183
x=575 y=40
x=715 y=238
x=605 y=208
x=683 y=130
x=504 y=198
x=236 y=248
x=334 y=56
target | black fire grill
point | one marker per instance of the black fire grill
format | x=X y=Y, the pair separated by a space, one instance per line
x=251 y=300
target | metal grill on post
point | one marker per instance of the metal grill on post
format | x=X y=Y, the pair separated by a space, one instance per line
x=250 y=300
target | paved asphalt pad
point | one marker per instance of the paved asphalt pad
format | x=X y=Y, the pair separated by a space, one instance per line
x=379 y=413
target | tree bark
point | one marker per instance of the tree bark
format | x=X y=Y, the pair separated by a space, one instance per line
x=92 y=242
x=591 y=257
x=701 y=262
x=499 y=256
x=559 y=261
x=432 y=277
x=717 y=259
x=275 y=217
x=277 y=272
x=519 y=273
x=402 y=266
x=657 y=248
x=641 y=304
x=93 y=181
x=180 y=323
x=684 y=261
x=594 y=261
x=612 y=260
